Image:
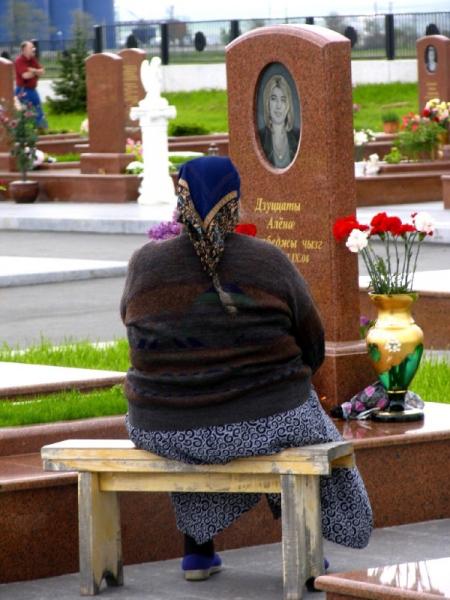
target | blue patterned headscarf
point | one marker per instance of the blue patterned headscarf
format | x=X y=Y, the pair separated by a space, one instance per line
x=208 y=206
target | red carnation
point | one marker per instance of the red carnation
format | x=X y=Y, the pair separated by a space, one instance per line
x=394 y=225
x=246 y=229
x=426 y=112
x=379 y=224
x=343 y=226
x=407 y=228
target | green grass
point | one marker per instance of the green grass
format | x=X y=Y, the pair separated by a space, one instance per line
x=80 y=354
x=204 y=107
x=64 y=406
x=208 y=108
x=432 y=381
x=68 y=157
x=65 y=123
x=374 y=99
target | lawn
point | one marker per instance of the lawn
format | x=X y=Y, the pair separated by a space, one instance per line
x=208 y=108
x=374 y=99
x=432 y=383
x=83 y=355
x=64 y=406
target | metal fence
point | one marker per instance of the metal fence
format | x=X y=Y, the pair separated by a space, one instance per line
x=372 y=36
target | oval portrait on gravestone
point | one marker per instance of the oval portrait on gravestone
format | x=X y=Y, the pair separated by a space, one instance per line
x=431 y=58
x=277 y=119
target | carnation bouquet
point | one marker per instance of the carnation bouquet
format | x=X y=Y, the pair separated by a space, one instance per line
x=437 y=111
x=391 y=271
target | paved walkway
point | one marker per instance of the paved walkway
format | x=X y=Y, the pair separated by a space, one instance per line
x=17 y=379
x=133 y=218
x=249 y=573
x=29 y=270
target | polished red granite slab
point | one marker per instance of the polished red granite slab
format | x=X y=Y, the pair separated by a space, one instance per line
x=372 y=434
x=422 y=580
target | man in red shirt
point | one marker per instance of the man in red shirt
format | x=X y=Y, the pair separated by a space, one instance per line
x=28 y=71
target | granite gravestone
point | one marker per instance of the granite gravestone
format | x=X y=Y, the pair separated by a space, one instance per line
x=433 y=65
x=105 y=107
x=6 y=99
x=291 y=137
x=133 y=90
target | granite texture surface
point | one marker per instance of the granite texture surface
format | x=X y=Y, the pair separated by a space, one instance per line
x=421 y=580
x=435 y=84
x=20 y=379
x=405 y=469
x=295 y=207
x=446 y=190
x=133 y=90
x=6 y=95
x=105 y=102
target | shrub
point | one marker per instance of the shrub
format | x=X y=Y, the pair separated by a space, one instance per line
x=390 y=116
x=180 y=129
x=71 y=85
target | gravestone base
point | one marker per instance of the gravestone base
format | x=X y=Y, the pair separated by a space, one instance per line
x=7 y=162
x=345 y=372
x=446 y=190
x=104 y=162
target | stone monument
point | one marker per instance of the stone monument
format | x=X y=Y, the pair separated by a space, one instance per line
x=105 y=107
x=133 y=90
x=6 y=99
x=291 y=138
x=433 y=66
x=154 y=112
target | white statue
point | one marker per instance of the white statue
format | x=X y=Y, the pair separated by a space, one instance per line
x=157 y=189
x=151 y=77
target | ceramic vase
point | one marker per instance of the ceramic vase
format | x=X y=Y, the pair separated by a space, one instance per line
x=395 y=347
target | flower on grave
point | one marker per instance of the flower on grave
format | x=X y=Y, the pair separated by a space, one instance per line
x=423 y=222
x=165 y=230
x=135 y=167
x=393 y=346
x=84 y=127
x=360 y=139
x=135 y=148
x=438 y=111
x=19 y=122
x=392 y=268
x=357 y=240
x=362 y=136
x=246 y=229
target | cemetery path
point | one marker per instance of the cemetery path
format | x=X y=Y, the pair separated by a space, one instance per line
x=255 y=573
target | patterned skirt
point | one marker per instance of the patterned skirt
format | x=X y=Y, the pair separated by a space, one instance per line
x=346 y=510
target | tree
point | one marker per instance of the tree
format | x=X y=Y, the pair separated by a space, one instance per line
x=24 y=22
x=70 y=87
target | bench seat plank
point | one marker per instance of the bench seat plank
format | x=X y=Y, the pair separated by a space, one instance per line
x=122 y=456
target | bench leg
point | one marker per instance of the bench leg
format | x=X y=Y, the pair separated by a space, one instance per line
x=302 y=532
x=99 y=536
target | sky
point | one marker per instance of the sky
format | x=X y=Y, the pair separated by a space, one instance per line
x=204 y=10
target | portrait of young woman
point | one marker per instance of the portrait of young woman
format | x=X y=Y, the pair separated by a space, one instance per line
x=278 y=115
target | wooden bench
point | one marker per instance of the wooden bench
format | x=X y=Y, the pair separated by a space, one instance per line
x=106 y=467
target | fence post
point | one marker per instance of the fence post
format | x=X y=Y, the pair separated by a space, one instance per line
x=235 y=32
x=165 y=43
x=309 y=21
x=390 y=36
x=98 y=39
x=36 y=45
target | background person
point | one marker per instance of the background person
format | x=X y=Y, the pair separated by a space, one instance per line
x=28 y=71
x=224 y=338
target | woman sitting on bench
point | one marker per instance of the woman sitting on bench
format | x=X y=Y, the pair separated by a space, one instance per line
x=224 y=338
